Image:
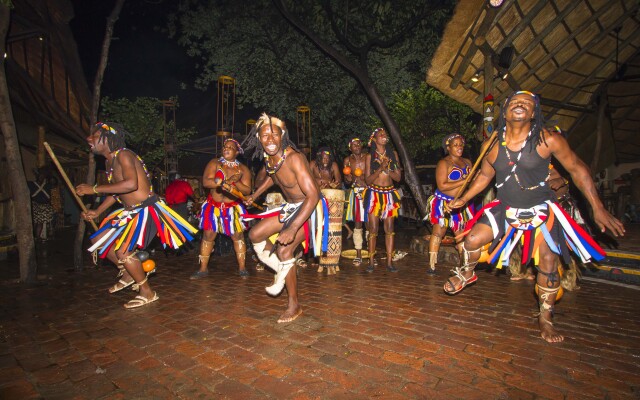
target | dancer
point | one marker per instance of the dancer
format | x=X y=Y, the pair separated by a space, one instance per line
x=451 y=173
x=525 y=206
x=354 y=167
x=381 y=199
x=325 y=170
x=301 y=217
x=142 y=217
x=222 y=212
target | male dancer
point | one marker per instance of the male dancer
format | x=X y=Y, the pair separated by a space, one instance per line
x=381 y=199
x=525 y=206
x=355 y=208
x=325 y=170
x=222 y=212
x=142 y=217
x=298 y=218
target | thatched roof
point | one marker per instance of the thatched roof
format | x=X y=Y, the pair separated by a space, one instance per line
x=46 y=81
x=571 y=53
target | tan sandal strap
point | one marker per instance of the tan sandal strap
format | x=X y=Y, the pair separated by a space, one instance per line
x=136 y=286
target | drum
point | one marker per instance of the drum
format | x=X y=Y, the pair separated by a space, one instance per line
x=335 y=199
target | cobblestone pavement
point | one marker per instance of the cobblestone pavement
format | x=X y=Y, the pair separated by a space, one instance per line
x=362 y=336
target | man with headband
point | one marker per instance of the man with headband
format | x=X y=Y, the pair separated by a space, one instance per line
x=299 y=220
x=142 y=216
x=381 y=198
x=325 y=170
x=354 y=167
x=451 y=173
x=222 y=212
x=526 y=209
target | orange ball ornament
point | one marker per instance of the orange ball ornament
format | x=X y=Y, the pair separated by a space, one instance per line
x=346 y=170
x=357 y=172
x=484 y=253
x=148 y=265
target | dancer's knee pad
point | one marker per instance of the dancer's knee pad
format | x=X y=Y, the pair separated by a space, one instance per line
x=270 y=261
x=357 y=238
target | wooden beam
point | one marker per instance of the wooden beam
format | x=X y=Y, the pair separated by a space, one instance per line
x=490 y=15
x=575 y=56
x=603 y=63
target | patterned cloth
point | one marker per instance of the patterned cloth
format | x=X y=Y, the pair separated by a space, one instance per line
x=436 y=214
x=381 y=201
x=42 y=213
x=316 y=228
x=225 y=218
x=530 y=226
x=355 y=205
x=135 y=228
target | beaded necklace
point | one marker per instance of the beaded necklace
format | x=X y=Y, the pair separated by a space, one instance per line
x=144 y=167
x=359 y=158
x=232 y=164
x=515 y=165
x=275 y=168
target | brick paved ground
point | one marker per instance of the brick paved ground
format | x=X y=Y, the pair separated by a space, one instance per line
x=391 y=336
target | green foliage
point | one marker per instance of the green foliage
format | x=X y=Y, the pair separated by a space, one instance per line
x=142 y=118
x=277 y=69
x=425 y=116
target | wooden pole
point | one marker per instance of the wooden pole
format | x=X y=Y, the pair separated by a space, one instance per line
x=69 y=185
x=483 y=153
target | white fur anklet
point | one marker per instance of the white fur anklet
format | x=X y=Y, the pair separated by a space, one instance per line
x=278 y=283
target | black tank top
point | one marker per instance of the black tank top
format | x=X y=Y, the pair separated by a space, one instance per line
x=532 y=169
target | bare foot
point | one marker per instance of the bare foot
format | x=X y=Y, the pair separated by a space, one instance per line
x=547 y=331
x=290 y=315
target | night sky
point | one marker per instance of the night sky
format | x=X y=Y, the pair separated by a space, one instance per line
x=143 y=61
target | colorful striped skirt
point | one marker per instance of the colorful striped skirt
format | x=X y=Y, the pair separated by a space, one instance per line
x=127 y=230
x=436 y=214
x=316 y=228
x=530 y=226
x=381 y=201
x=355 y=205
x=220 y=217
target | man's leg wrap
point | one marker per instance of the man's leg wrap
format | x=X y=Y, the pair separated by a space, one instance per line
x=206 y=247
x=281 y=275
x=357 y=238
x=468 y=265
x=270 y=261
x=240 y=249
x=434 y=247
x=547 y=298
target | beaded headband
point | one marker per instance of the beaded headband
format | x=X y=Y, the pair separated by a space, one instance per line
x=352 y=141
x=373 y=134
x=449 y=138
x=240 y=150
x=106 y=127
x=265 y=119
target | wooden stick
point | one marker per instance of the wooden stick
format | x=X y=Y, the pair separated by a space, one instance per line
x=69 y=185
x=228 y=188
x=483 y=153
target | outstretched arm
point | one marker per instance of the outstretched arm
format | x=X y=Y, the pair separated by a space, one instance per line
x=581 y=176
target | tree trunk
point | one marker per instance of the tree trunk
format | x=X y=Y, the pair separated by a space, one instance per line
x=19 y=188
x=410 y=174
x=361 y=75
x=78 y=251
